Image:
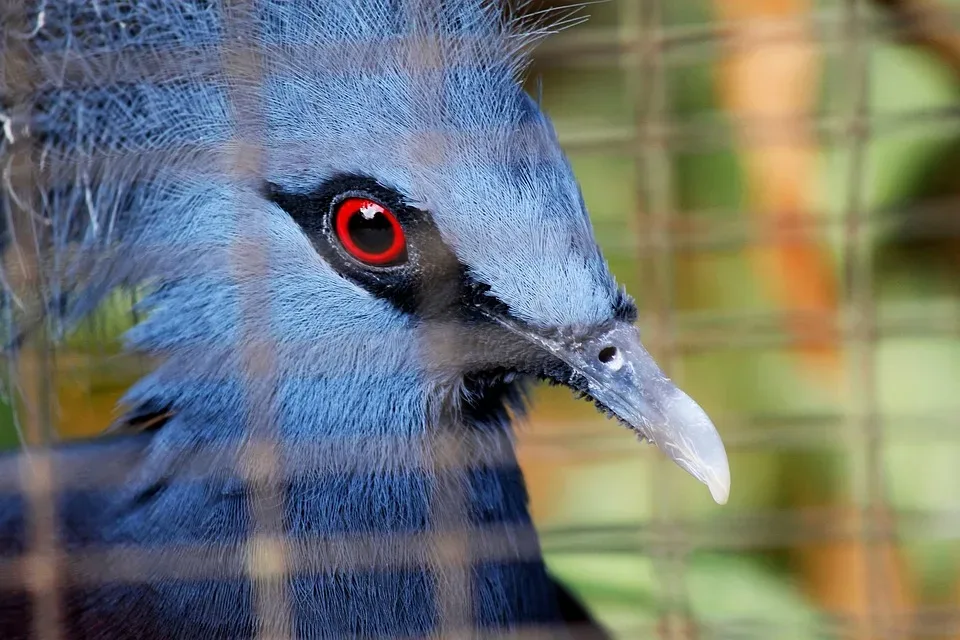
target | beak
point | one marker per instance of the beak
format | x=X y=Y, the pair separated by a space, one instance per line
x=615 y=370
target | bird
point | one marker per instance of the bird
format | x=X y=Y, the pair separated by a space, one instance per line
x=356 y=244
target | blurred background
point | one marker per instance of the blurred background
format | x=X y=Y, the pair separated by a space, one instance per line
x=777 y=182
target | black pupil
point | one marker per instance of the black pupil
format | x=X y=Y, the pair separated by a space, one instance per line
x=371 y=233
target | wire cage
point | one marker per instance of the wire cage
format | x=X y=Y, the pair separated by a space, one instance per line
x=774 y=182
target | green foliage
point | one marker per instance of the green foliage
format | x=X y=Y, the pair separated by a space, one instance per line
x=727 y=595
x=910 y=158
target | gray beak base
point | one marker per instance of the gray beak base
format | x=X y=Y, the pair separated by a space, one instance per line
x=621 y=376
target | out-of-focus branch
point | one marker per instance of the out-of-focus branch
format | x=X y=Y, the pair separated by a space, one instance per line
x=927 y=24
x=778 y=82
x=865 y=580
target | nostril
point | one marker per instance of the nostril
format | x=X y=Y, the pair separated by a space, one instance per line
x=611 y=357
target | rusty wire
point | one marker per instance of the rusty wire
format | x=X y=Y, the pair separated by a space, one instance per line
x=649 y=51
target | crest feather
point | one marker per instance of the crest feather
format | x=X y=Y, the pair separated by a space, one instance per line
x=126 y=119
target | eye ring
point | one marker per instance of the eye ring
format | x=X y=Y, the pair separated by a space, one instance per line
x=369 y=232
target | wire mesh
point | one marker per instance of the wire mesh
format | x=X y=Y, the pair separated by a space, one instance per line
x=669 y=235
x=647 y=50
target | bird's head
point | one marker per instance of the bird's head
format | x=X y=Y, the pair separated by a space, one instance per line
x=446 y=206
x=417 y=220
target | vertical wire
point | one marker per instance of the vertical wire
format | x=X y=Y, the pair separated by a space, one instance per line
x=647 y=75
x=34 y=365
x=267 y=551
x=861 y=369
x=449 y=540
x=450 y=562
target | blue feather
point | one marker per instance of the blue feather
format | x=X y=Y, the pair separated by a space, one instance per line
x=134 y=115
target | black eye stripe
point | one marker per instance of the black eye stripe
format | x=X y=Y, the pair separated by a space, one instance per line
x=431 y=283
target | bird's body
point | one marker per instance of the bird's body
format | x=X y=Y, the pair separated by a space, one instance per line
x=359 y=239
x=204 y=528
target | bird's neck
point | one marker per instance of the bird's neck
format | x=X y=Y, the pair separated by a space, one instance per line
x=376 y=468
x=371 y=461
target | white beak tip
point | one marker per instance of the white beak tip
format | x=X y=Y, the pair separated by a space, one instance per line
x=719 y=487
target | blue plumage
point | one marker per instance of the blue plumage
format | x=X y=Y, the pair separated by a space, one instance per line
x=201 y=167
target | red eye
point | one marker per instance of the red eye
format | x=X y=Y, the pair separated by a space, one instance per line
x=370 y=232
